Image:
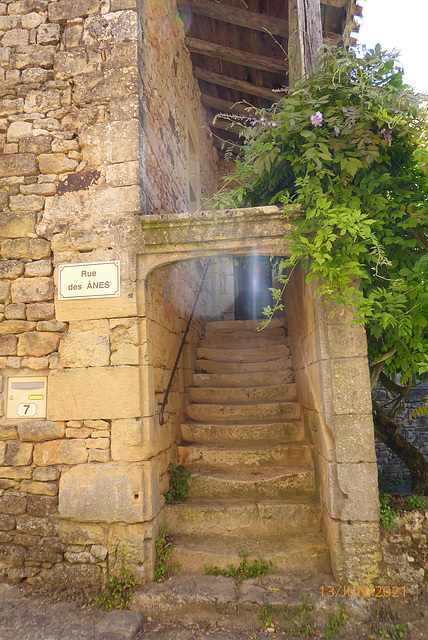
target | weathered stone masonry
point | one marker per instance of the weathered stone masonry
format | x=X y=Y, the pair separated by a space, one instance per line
x=93 y=114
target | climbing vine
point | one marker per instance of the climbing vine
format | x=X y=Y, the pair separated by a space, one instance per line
x=347 y=148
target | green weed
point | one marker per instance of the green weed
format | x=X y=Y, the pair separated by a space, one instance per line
x=164 y=546
x=178 y=484
x=335 y=622
x=266 y=615
x=305 y=627
x=119 y=589
x=244 y=570
x=386 y=512
x=416 y=502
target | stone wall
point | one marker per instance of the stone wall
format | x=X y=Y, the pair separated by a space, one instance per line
x=92 y=134
x=332 y=377
x=415 y=430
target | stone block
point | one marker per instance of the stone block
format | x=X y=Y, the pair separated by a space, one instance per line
x=359 y=484
x=110 y=29
x=2 y=452
x=40 y=311
x=32 y=289
x=99 y=455
x=41 y=506
x=350 y=383
x=124 y=108
x=124 y=341
x=16 y=326
x=19 y=129
x=77 y=533
x=16 y=225
x=13 y=503
x=56 y=163
x=37 y=343
x=32 y=20
x=94 y=393
x=34 y=526
x=11 y=268
x=35 y=55
x=26 y=203
x=15 y=38
x=18 y=454
x=35 y=144
x=79 y=432
x=8 y=432
x=68 y=10
x=46 y=474
x=25 y=248
x=127 y=440
x=18 y=164
x=16 y=473
x=11 y=106
x=46 y=325
x=108 y=493
x=125 y=306
x=81 y=348
x=97 y=424
x=60 y=452
x=355 y=551
x=12 y=556
x=354 y=438
x=41 y=268
x=106 y=85
x=8 y=345
x=109 y=143
x=7 y=523
x=123 y=174
x=40 y=488
x=98 y=443
x=40 y=432
x=48 y=34
x=4 y=291
x=15 y=311
x=69 y=64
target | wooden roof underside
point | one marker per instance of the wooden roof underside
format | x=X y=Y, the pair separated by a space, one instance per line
x=239 y=48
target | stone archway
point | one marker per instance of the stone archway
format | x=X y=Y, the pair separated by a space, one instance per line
x=331 y=373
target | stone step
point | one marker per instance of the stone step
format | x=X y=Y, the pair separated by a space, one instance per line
x=248 y=432
x=242 y=339
x=236 y=412
x=237 y=518
x=224 y=395
x=255 y=379
x=232 y=326
x=215 y=599
x=242 y=354
x=233 y=455
x=302 y=553
x=274 y=364
x=247 y=484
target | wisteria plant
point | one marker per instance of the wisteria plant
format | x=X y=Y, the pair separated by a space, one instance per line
x=348 y=146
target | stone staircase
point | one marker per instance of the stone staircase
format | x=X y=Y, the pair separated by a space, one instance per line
x=252 y=483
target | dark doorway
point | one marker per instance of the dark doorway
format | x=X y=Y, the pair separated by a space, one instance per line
x=253 y=280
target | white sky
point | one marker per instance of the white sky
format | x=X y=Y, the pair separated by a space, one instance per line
x=401 y=25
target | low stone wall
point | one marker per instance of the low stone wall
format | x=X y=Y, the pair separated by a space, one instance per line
x=405 y=552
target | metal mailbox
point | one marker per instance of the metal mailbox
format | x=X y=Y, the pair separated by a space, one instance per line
x=26 y=397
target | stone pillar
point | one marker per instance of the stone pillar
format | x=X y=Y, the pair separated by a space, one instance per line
x=332 y=376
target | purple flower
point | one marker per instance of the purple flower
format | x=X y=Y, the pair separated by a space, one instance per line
x=387 y=134
x=316 y=120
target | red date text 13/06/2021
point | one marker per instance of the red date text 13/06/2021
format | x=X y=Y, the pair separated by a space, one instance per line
x=367 y=591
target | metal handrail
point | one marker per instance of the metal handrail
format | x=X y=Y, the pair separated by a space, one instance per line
x=175 y=367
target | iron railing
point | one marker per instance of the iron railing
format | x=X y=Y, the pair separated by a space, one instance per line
x=175 y=367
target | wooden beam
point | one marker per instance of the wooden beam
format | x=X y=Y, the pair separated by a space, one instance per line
x=305 y=37
x=234 y=83
x=237 y=56
x=335 y=3
x=240 y=18
x=225 y=106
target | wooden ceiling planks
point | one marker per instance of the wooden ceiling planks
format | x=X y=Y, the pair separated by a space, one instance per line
x=239 y=51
